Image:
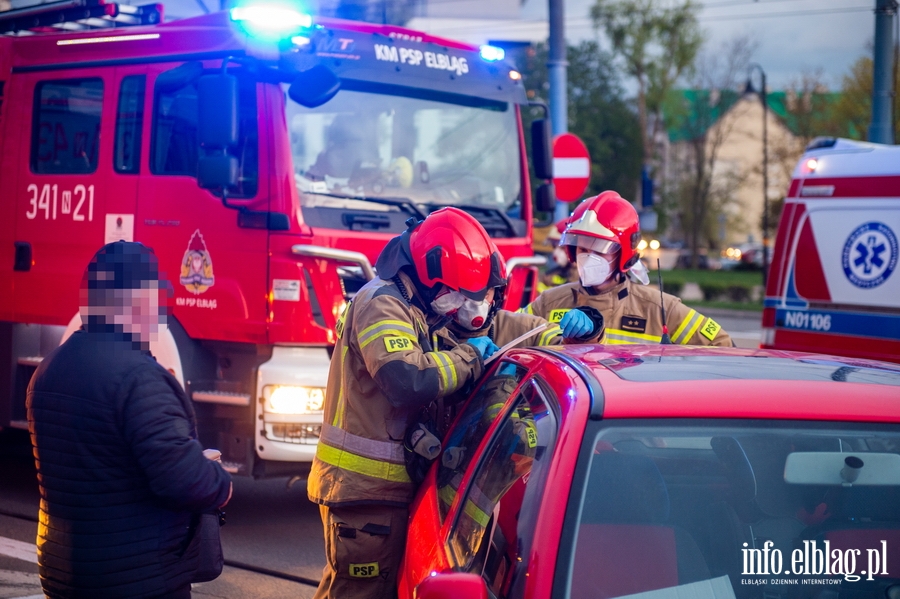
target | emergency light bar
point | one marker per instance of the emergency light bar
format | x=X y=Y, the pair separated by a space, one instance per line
x=492 y=53
x=270 y=20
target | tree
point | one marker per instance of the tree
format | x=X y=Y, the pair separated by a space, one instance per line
x=855 y=104
x=598 y=113
x=657 y=46
x=702 y=188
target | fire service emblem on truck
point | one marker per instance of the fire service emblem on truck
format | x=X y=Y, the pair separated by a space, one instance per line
x=196 y=266
x=870 y=255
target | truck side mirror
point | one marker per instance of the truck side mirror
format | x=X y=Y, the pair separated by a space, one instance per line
x=545 y=198
x=542 y=149
x=217 y=131
x=217 y=125
x=314 y=86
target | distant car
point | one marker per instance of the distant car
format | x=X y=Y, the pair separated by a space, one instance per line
x=661 y=472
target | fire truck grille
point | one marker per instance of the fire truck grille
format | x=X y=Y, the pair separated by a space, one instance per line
x=306 y=434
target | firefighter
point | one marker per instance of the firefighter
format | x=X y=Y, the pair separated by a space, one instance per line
x=393 y=357
x=562 y=270
x=602 y=238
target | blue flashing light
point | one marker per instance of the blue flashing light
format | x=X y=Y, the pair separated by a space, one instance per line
x=492 y=53
x=270 y=20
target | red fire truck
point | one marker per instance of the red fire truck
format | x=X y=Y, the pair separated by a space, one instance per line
x=266 y=157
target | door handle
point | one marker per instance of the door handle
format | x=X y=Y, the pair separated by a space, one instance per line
x=23 y=256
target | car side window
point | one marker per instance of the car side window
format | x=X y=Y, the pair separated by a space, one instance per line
x=470 y=429
x=494 y=526
x=174 y=146
x=65 y=132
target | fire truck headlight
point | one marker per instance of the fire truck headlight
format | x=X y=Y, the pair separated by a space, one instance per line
x=289 y=399
x=270 y=19
x=492 y=53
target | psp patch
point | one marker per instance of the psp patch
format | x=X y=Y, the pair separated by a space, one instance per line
x=393 y=344
x=870 y=255
x=710 y=329
x=369 y=570
x=557 y=315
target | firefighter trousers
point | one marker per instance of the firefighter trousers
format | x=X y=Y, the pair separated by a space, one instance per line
x=363 y=549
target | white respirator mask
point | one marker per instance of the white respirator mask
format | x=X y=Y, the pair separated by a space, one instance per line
x=447 y=302
x=592 y=269
x=472 y=315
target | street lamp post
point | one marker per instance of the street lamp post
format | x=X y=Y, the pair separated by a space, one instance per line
x=765 y=227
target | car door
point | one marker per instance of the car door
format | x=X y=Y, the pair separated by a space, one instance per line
x=480 y=504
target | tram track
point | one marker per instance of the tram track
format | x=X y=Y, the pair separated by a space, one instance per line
x=230 y=563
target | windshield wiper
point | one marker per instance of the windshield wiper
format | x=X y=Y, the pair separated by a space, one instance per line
x=386 y=200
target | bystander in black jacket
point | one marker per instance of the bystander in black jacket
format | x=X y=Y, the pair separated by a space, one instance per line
x=122 y=475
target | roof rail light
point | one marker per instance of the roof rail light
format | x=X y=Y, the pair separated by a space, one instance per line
x=270 y=19
x=492 y=53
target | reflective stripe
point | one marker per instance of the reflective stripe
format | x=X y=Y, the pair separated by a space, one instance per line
x=493 y=410
x=387 y=451
x=527 y=309
x=618 y=337
x=548 y=335
x=479 y=507
x=446 y=368
x=382 y=333
x=679 y=332
x=362 y=465
x=447 y=494
x=397 y=327
x=688 y=327
x=339 y=412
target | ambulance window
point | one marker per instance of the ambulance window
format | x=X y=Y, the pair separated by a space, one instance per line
x=129 y=122
x=174 y=148
x=65 y=132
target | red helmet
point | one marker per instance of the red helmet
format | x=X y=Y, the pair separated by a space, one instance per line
x=605 y=223
x=452 y=248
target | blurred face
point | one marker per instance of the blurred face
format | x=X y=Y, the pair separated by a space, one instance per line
x=137 y=311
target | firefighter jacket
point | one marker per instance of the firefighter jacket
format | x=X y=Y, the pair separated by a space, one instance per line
x=385 y=369
x=632 y=314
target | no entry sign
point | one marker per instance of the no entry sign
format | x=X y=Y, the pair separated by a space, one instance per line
x=571 y=167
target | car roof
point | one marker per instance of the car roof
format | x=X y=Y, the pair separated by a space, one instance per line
x=646 y=381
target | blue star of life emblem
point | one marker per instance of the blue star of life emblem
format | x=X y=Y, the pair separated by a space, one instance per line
x=870 y=255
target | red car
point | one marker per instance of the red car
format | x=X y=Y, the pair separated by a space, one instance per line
x=663 y=472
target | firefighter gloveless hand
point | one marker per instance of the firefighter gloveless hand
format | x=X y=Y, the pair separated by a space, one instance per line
x=484 y=345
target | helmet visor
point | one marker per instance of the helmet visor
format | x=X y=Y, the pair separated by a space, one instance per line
x=594 y=244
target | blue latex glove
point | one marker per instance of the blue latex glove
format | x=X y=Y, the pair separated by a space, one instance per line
x=575 y=324
x=508 y=369
x=484 y=345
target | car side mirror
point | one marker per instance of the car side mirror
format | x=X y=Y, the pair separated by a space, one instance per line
x=545 y=198
x=314 y=86
x=452 y=585
x=542 y=149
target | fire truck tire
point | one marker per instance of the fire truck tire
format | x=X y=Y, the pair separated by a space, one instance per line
x=164 y=348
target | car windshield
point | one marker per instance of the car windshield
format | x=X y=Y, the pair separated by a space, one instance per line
x=369 y=161
x=754 y=510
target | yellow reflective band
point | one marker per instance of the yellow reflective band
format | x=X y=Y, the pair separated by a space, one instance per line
x=557 y=315
x=447 y=494
x=382 y=333
x=369 y=570
x=442 y=368
x=710 y=329
x=476 y=514
x=339 y=326
x=684 y=323
x=548 y=335
x=452 y=369
x=692 y=330
x=398 y=326
x=637 y=337
x=361 y=465
x=339 y=412
x=395 y=344
x=527 y=309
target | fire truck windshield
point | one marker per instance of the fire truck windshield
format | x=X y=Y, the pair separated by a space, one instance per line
x=369 y=161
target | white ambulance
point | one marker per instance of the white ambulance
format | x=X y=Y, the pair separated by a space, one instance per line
x=834 y=281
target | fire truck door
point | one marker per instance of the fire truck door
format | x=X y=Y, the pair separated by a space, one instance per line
x=216 y=261
x=66 y=192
